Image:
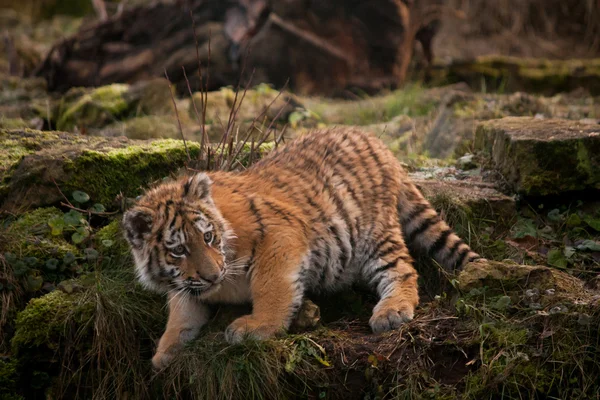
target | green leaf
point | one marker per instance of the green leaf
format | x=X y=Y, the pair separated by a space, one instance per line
x=107 y=243
x=524 y=227
x=91 y=254
x=34 y=283
x=10 y=258
x=557 y=259
x=569 y=252
x=295 y=117
x=31 y=261
x=98 y=208
x=69 y=258
x=77 y=238
x=594 y=223
x=80 y=197
x=57 y=221
x=502 y=303
x=20 y=268
x=589 y=245
x=57 y=225
x=554 y=215
x=573 y=220
x=73 y=218
x=82 y=230
x=52 y=264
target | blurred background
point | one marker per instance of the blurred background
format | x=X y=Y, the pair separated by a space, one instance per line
x=327 y=51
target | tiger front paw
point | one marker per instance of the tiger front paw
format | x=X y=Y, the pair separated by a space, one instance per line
x=162 y=359
x=250 y=328
x=391 y=317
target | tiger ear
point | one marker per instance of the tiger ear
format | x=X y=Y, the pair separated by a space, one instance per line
x=137 y=224
x=198 y=187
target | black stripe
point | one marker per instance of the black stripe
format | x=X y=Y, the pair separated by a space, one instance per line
x=474 y=258
x=343 y=256
x=387 y=251
x=186 y=187
x=461 y=257
x=454 y=249
x=416 y=211
x=311 y=164
x=424 y=226
x=259 y=219
x=172 y=224
x=403 y=278
x=385 y=267
x=440 y=242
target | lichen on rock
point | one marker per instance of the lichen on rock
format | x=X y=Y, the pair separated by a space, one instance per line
x=102 y=167
x=542 y=157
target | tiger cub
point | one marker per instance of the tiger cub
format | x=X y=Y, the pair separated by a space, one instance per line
x=328 y=209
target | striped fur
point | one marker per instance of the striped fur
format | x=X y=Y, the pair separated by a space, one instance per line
x=328 y=209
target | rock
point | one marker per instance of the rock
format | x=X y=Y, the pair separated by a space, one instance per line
x=283 y=108
x=32 y=161
x=23 y=99
x=145 y=127
x=528 y=75
x=542 y=157
x=478 y=200
x=503 y=277
x=308 y=316
x=95 y=108
x=466 y=162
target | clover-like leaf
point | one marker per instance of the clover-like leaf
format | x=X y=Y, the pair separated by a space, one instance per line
x=77 y=237
x=31 y=261
x=52 y=264
x=73 y=218
x=91 y=254
x=10 y=258
x=69 y=258
x=34 y=283
x=557 y=259
x=20 y=268
x=98 y=208
x=80 y=197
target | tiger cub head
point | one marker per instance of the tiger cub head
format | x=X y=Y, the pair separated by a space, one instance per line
x=178 y=237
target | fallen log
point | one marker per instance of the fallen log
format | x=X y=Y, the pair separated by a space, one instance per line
x=320 y=47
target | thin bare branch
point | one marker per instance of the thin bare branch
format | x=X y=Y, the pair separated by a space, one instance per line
x=187 y=151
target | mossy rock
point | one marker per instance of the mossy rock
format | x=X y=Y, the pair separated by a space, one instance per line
x=263 y=97
x=30 y=236
x=32 y=161
x=98 y=107
x=542 y=157
x=479 y=201
x=23 y=98
x=50 y=8
x=526 y=74
x=506 y=276
x=110 y=240
x=145 y=127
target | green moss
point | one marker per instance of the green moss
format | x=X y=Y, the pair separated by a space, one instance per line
x=94 y=108
x=145 y=127
x=41 y=323
x=127 y=170
x=109 y=239
x=13 y=123
x=30 y=236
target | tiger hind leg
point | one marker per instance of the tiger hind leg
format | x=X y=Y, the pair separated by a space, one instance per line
x=395 y=281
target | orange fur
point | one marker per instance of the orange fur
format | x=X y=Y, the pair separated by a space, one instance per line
x=328 y=209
